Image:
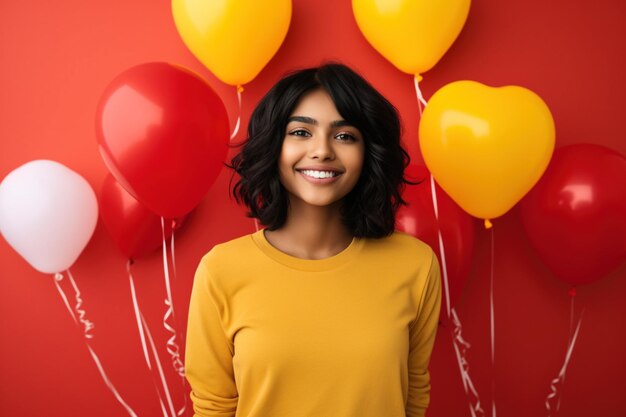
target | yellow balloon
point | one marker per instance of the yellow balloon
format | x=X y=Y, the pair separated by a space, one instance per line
x=485 y=146
x=412 y=34
x=234 y=39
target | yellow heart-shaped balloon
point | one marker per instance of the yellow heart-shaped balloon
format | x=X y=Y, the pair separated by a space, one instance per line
x=234 y=39
x=485 y=146
x=412 y=34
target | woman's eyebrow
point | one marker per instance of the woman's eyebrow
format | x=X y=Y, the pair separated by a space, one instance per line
x=312 y=121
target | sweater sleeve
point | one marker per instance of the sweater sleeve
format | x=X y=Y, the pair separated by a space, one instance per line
x=208 y=352
x=421 y=340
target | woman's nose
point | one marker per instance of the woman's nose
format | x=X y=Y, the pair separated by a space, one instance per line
x=321 y=147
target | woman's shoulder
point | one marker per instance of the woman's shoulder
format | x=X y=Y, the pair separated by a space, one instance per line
x=229 y=250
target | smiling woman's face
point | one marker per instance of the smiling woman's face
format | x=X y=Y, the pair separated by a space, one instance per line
x=318 y=138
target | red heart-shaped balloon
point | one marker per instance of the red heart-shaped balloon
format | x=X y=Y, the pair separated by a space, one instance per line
x=575 y=216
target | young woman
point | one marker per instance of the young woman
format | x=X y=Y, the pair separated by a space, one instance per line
x=327 y=311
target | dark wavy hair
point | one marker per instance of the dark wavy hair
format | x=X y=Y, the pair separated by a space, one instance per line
x=369 y=209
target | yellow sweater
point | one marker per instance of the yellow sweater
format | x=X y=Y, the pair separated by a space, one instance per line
x=273 y=335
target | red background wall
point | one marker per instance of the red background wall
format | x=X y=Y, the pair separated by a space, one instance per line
x=56 y=58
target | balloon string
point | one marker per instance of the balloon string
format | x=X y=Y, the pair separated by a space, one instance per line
x=561 y=377
x=166 y=271
x=493 y=339
x=181 y=374
x=457 y=339
x=433 y=192
x=137 y=310
x=256 y=224
x=493 y=331
x=172 y=347
x=170 y=310
x=460 y=347
x=172 y=253
x=81 y=313
x=88 y=325
x=57 y=278
x=159 y=368
x=420 y=97
x=572 y=294
x=140 y=327
x=239 y=91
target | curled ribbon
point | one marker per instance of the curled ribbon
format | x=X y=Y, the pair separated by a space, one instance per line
x=560 y=379
x=143 y=329
x=460 y=345
x=172 y=347
x=58 y=277
x=80 y=312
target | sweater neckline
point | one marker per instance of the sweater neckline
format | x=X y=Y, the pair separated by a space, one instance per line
x=302 y=264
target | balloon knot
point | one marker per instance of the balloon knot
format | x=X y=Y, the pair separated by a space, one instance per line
x=572 y=292
x=488 y=224
x=58 y=277
x=418 y=78
x=239 y=89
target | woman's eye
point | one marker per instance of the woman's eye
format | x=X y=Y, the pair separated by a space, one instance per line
x=299 y=133
x=347 y=137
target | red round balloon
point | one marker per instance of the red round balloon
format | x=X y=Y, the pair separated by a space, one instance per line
x=163 y=133
x=136 y=230
x=457 y=228
x=575 y=216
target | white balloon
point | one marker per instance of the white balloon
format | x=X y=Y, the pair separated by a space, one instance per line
x=48 y=213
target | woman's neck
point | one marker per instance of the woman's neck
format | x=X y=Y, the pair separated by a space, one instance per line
x=311 y=232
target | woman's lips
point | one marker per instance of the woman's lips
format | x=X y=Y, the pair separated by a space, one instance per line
x=319 y=180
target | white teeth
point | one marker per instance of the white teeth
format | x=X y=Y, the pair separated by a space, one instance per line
x=319 y=174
